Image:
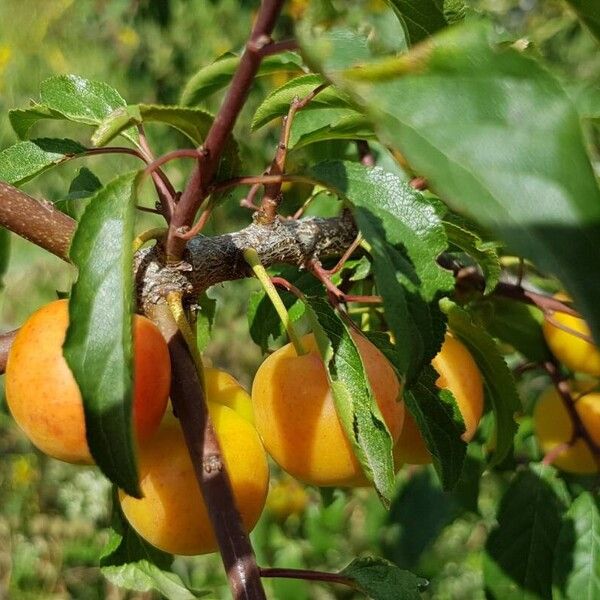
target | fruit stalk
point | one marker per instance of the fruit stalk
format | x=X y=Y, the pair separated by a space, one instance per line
x=252 y=258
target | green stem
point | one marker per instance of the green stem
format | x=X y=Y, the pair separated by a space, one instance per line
x=252 y=258
x=151 y=234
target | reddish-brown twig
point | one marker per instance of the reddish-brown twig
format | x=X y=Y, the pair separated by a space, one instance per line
x=164 y=187
x=335 y=295
x=248 y=200
x=582 y=336
x=340 y=265
x=169 y=156
x=553 y=454
x=198 y=226
x=289 y=287
x=197 y=188
x=308 y=576
x=272 y=196
x=279 y=47
x=36 y=220
x=365 y=154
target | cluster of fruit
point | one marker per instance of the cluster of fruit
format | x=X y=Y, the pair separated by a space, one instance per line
x=566 y=336
x=291 y=415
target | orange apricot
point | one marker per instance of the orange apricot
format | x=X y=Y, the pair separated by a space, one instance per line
x=553 y=428
x=224 y=388
x=172 y=514
x=458 y=373
x=576 y=353
x=44 y=397
x=296 y=417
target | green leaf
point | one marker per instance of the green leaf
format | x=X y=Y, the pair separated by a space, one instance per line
x=498 y=379
x=143 y=576
x=406 y=236
x=467 y=489
x=587 y=11
x=4 y=253
x=334 y=48
x=98 y=345
x=585 y=95
x=440 y=422
x=216 y=76
x=469 y=116
x=84 y=185
x=125 y=546
x=521 y=549
x=194 y=123
x=26 y=160
x=380 y=579
x=314 y=126
x=515 y=323
x=420 y=18
x=79 y=99
x=353 y=398
x=132 y=563
x=71 y=98
x=23 y=119
x=419 y=512
x=204 y=320
x=436 y=414
x=485 y=253
x=577 y=556
x=277 y=103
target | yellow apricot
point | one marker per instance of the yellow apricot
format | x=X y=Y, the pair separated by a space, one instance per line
x=575 y=353
x=553 y=427
x=44 y=397
x=172 y=514
x=458 y=372
x=287 y=497
x=224 y=388
x=296 y=417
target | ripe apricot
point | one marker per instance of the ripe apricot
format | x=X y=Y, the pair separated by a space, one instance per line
x=458 y=373
x=575 y=353
x=296 y=417
x=172 y=514
x=287 y=497
x=45 y=400
x=553 y=427
x=223 y=388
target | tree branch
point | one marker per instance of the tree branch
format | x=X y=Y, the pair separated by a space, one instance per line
x=36 y=220
x=212 y=260
x=222 y=127
x=190 y=407
x=6 y=340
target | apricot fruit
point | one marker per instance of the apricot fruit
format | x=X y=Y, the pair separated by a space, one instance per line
x=44 y=397
x=296 y=417
x=223 y=388
x=576 y=353
x=458 y=373
x=287 y=497
x=553 y=427
x=172 y=514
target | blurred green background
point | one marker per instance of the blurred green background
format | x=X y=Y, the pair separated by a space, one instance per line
x=53 y=516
